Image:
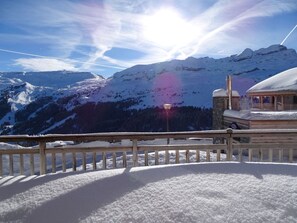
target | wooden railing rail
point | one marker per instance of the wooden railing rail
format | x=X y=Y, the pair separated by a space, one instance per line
x=25 y=159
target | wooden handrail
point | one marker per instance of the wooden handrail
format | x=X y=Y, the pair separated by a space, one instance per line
x=110 y=136
x=229 y=143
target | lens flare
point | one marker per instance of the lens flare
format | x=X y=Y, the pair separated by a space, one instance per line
x=167 y=89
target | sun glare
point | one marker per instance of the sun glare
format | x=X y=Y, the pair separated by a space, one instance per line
x=166 y=28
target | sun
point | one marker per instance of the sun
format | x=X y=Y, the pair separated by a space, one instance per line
x=166 y=28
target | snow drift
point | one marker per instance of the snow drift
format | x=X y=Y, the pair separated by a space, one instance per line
x=205 y=192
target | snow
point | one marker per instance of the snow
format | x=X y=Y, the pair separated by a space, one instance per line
x=261 y=115
x=223 y=93
x=284 y=81
x=246 y=54
x=58 y=123
x=199 y=192
x=271 y=49
x=23 y=88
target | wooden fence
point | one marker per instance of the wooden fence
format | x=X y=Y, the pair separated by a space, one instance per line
x=23 y=160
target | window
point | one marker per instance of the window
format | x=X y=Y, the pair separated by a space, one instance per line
x=294 y=99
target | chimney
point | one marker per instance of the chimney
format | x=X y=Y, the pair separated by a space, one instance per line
x=229 y=91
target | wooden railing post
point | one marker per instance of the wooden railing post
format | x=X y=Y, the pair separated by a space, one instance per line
x=42 y=147
x=229 y=144
x=1 y=167
x=135 y=157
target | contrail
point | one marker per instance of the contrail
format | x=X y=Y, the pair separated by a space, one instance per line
x=57 y=58
x=288 y=35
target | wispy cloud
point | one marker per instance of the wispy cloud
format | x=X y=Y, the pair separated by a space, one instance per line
x=123 y=26
x=43 y=64
x=67 y=62
x=78 y=34
x=239 y=13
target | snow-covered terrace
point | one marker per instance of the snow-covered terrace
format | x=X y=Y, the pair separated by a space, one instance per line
x=205 y=192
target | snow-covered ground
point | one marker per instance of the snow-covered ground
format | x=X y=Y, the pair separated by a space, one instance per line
x=198 y=192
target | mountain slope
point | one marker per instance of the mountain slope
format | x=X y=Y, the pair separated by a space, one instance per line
x=190 y=82
x=28 y=95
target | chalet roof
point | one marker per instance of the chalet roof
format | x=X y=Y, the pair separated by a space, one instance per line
x=284 y=81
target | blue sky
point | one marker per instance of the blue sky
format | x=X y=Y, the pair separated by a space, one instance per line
x=105 y=37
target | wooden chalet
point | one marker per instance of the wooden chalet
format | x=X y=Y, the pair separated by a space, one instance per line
x=270 y=104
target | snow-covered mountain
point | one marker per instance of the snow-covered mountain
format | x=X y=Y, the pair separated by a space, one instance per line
x=191 y=81
x=58 y=98
x=26 y=94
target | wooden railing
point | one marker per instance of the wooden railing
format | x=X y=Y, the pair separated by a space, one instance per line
x=234 y=144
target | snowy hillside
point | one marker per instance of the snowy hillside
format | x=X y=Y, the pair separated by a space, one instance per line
x=21 y=89
x=37 y=102
x=192 y=81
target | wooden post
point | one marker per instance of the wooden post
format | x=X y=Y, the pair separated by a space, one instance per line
x=84 y=161
x=229 y=144
x=240 y=155
x=146 y=158
x=64 y=161
x=197 y=155
x=135 y=158
x=10 y=164
x=270 y=155
x=229 y=91
x=124 y=159
x=207 y=155
x=176 y=156
x=187 y=156
x=280 y=155
x=74 y=161
x=21 y=164
x=291 y=155
x=94 y=161
x=53 y=162
x=32 y=164
x=1 y=166
x=166 y=156
x=282 y=98
x=250 y=155
x=156 y=157
x=114 y=160
x=42 y=156
x=104 y=160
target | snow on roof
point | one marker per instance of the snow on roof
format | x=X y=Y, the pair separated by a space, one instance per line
x=284 y=81
x=262 y=115
x=223 y=93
